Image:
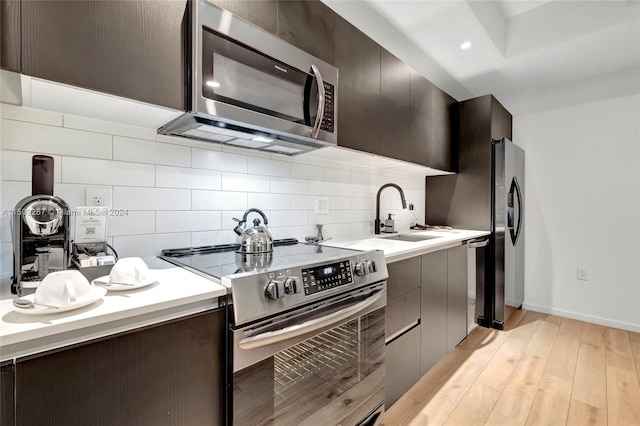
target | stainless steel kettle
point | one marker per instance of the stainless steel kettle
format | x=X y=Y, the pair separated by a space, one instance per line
x=256 y=239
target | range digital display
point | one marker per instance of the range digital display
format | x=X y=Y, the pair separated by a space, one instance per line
x=326 y=277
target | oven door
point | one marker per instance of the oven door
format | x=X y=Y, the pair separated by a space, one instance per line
x=322 y=364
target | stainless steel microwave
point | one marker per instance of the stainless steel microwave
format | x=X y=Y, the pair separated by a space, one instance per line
x=251 y=89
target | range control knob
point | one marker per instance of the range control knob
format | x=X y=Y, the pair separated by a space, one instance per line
x=360 y=269
x=371 y=266
x=274 y=290
x=291 y=285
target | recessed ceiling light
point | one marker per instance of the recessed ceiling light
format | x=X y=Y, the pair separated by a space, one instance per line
x=465 y=45
x=213 y=84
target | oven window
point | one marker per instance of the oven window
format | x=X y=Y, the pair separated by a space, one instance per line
x=334 y=377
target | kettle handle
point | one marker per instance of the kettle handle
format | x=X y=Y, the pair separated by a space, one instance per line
x=244 y=217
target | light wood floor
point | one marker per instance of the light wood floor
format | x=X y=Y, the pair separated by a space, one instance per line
x=542 y=370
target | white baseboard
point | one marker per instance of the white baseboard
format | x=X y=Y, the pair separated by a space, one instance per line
x=586 y=318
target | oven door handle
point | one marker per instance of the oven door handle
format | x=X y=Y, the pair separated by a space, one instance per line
x=271 y=337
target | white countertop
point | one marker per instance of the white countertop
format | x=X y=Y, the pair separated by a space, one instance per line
x=177 y=293
x=395 y=250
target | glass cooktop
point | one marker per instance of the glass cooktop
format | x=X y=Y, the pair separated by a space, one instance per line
x=220 y=261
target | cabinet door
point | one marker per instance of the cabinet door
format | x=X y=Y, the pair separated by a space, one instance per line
x=261 y=13
x=6 y=393
x=169 y=374
x=421 y=118
x=402 y=366
x=433 y=115
x=456 y=296
x=309 y=25
x=404 y=276
x=402 y=312
x=358 y=61
x=10 y=35
x=443 y=146
x=433 y=340
x=133 y=48
x=395 y=103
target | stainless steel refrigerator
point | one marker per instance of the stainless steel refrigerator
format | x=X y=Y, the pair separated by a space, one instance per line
x=506 y=249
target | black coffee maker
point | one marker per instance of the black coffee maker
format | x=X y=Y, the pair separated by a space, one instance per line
x=40 y=231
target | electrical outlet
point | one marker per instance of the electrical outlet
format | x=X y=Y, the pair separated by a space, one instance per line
x=321 y=205
x=583 y=273
x=98 y=197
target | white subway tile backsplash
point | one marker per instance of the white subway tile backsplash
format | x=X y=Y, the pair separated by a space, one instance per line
x=323 y=188
x=306 y=171
x=149 y=245
x=176 y=192
x=288 y=186
x=132 y=223
x=5 y=227
x=269 y=201
x=264 y=166
x=359 y=178
x=337 y=175
x=22 y=136
x=181 y=177
x=6 y=259
x=31 y=115
x=302 y=202
x=350 y=216
x=108 y=127
x=332 y=217
x=187 y=221
x=145 y=151
x=133 y=198
x=16 y=165
x=244 y=182
x=208 y=238
x=12 y=192
x=106 y=172
x=218 y=200
x=216 y=160
x=73 y=194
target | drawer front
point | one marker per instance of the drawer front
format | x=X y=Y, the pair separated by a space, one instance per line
x=404 y=276
x=402 y=311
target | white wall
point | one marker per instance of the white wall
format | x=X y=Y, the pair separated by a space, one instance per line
x=583 y=209
x=180 y=193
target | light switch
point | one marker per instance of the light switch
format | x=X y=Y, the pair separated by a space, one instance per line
x=322 y=205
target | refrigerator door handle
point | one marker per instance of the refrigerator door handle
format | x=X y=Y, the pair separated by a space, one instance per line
x=514 y=190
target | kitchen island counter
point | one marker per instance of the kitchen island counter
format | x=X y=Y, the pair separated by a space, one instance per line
x=176 y=294
x=395 y=250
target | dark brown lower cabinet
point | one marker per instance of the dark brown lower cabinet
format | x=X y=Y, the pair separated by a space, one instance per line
x=402 y=365
x=456 y=296
x=433 y=338
x=166 y=374
x=6 y=393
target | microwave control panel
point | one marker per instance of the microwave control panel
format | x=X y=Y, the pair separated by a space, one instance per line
x=328 y=121
x=326 y=277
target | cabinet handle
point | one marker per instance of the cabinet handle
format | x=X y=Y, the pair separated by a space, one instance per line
x=320 y=114
x=477 y=244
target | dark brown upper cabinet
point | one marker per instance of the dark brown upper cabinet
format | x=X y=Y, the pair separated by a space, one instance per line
x=358 y=62
x=464 y=200
x=10 y=35
x=432 y=122
x=395 y=103
x=309 y=25
x=261 y=13
x=132 y=48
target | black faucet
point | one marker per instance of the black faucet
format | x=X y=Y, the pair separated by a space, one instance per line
x=376 y=224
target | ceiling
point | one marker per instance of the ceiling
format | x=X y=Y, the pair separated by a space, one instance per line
x=530 y=54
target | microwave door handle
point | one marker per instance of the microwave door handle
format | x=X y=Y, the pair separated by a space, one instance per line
x=320 y=114
x=270 y=337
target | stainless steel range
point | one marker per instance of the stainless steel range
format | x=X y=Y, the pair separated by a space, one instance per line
x=306 y=332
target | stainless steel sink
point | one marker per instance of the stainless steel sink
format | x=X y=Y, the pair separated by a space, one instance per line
x=409 y=237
